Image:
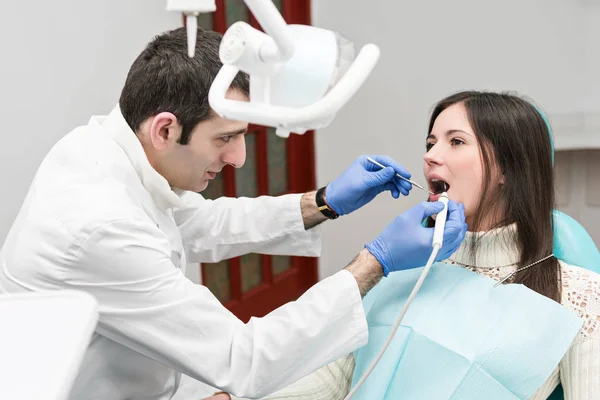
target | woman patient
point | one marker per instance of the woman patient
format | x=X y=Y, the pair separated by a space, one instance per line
x=494 y=153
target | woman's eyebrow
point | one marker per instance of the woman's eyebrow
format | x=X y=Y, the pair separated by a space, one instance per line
x=450 y=132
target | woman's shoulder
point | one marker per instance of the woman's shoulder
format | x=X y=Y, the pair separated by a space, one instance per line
x=581 y=294
x=578 y=277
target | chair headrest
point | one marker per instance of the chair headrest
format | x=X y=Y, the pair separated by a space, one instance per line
x=572 y=243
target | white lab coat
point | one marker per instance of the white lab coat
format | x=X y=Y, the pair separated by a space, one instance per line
x=99 y=218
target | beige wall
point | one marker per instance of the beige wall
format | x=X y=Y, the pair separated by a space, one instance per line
x=578 y=187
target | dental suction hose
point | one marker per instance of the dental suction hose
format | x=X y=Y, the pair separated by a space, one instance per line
x=438 y=241
x=440 y=223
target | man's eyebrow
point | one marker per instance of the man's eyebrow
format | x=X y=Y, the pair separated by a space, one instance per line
x=233 y=133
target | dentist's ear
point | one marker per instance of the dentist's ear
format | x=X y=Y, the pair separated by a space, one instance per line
x=164 y=130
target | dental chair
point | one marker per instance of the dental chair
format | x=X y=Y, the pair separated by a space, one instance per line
x=43 y=340
x=573 y=245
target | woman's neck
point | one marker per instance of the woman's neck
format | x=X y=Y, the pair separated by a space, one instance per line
x=487 y=222
x=492 y=214
x=489 y=249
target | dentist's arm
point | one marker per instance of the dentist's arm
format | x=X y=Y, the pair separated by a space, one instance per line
x=147 y=304
x=214 y=230
x=403 y=245
x=311 y=216
x=229 y=227
x=398 y=248
x=389 y=252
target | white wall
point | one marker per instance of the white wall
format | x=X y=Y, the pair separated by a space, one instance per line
x=62 y=61
x=431 y=49
x=592 y=94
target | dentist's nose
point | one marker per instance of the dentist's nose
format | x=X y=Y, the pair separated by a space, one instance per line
x=235 y=155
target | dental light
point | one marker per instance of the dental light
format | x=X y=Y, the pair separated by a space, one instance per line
x=300 y=75
x=191 y=9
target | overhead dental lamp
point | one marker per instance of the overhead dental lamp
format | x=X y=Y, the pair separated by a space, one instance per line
x=191 y=9
x=300 y=75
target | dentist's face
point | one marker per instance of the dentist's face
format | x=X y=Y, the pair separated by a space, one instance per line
x=453 y=157
x=214 y=143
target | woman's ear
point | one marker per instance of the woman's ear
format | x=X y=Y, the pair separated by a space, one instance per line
x=500 y=171
x=164 y=130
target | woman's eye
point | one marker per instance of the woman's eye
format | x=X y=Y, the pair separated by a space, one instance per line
x=428 y=146
x=456 y=142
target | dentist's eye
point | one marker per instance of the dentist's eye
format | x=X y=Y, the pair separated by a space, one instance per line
x=226 y=139
x=456 y=142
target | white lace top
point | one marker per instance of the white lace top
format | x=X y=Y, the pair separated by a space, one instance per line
x=496 y=257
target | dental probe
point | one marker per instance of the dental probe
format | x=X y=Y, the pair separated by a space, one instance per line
x=400 y=176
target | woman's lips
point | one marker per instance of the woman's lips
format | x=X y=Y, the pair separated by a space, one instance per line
x=434 y=197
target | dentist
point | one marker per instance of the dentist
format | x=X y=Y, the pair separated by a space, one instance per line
x=114 y=211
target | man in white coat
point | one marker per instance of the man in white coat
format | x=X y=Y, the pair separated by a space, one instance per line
x=114 y=211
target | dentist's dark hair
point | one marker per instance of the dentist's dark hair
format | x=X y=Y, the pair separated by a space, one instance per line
x=513 y=136
x=164 y=78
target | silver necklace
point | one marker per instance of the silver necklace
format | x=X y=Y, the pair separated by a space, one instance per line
x=476 y=267
x=521 y=269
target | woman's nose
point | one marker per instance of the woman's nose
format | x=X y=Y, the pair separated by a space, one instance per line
x=434 y=155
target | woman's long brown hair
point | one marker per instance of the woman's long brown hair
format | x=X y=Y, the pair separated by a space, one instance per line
x=513 y=135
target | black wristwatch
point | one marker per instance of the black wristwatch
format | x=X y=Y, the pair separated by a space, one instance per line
x=323 y=206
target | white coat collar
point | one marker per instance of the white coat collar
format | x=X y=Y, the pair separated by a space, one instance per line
x=158 y=187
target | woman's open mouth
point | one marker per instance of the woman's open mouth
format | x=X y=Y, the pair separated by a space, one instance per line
x=437 y=186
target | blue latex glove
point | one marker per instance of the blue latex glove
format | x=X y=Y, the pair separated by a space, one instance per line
x=406 y=244
x=362 y=181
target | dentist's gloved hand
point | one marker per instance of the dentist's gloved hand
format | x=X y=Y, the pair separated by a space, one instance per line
x=363 y=180
x=406 y=244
